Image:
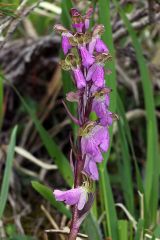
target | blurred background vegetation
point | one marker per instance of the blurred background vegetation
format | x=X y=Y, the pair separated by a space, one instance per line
x=34 y=142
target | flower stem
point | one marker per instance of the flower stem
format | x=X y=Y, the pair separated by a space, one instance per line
x=78 y=168
x=73 y=234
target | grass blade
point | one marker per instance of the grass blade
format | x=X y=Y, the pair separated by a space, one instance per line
x=48 y=195
x=7 y=172
x=104 y=18
x=139 y=233
x=152 y=165
x=125 y=168
x=123 y=229
x=109 y=205
x=92 y=228
x=127 y=131
x=65 y=17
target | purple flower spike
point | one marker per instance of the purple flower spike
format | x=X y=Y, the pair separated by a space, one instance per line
x=100 y=46
x=72 y=197
x=79 y=78
x=66 y=46
x=86 y=55
x=87 y=58
x=96 y=73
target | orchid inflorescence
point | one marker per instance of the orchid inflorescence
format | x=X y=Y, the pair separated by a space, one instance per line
x=85 y=56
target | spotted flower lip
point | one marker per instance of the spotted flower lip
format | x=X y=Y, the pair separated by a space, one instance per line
x=72 y=196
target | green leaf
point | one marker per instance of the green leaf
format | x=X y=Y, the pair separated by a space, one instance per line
x=111 y=222
x=7 y=172
x=92 y=228
x=128 y=7
x=65 y=17
x=153 y=162
x=125 y=168
x=157 y=232
x=108 y=201
x=7 y=10
x=139 y=233
x=127 y=131
x=20 y=237
x=104 y=18
x=123 y=229
x=47 y=193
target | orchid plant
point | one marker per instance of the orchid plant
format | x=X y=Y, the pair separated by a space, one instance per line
x=85 y=56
